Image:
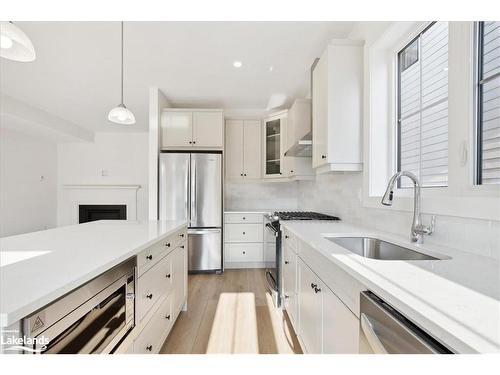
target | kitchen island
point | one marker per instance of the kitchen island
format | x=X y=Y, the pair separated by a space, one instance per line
x=40 y=267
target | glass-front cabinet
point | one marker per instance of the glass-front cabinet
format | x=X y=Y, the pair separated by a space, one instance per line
x=274 y=127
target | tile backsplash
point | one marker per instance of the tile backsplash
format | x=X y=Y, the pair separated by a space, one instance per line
x=266 y=196
x=341 y=194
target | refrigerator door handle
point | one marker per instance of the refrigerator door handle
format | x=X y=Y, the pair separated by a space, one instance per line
x=203 y=231
x=193 y=191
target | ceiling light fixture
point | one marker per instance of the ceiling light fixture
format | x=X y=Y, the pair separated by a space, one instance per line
x=237 y=64
x=121 y=114
x=15 y=44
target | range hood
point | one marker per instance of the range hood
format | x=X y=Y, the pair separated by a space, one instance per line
x=303 y=148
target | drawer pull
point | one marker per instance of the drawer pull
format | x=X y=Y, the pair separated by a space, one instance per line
x=182 y=235
x=167 y=244
x=287 y=296
x=286 y=236
x=317 y=290
x=182 y=246
x=167 y=317
x=168 y=276
x=287 y=262
x=244 y=218
x=323 y=156
x=150 y=295
x=244 y=233
x=244 y=252
x=149 y=348
x=314 y=286
x=150 y=257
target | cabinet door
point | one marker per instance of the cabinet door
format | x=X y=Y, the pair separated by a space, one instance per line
x=310 y=309
x=234 y=149
x=208 y=129
x=273 y=144
x=179 y=275
x=340 y=326
x=290 y=285
x=320 y=112
x=177 y=129
x=252 y=150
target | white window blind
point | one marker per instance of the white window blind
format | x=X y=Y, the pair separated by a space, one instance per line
x=489 y=103
x=423 y=107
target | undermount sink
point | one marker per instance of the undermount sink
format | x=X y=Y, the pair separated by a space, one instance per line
x=377 y=249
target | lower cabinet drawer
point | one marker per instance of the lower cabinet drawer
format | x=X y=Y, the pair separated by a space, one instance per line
x=244 y=252
x=244 y=233
x=153 y=285
x=243 y=217
x=150 y=340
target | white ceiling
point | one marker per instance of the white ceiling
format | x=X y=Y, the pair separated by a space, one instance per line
x=76 y=75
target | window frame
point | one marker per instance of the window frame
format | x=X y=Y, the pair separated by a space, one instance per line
x=398 y=73
x=479 y=81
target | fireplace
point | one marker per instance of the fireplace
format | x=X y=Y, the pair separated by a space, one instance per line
x=93 y=212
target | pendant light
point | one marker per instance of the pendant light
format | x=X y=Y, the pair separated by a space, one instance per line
x=15 y=44
x=121 y=114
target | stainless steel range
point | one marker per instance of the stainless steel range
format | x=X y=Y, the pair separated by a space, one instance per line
x=273 y=275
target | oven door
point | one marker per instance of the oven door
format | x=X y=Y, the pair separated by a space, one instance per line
x=273 y=275
x=96 y=326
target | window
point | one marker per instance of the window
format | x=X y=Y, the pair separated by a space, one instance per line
x=422 y=129
x=488 y=104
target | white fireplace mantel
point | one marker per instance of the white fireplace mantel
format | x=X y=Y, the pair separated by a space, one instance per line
x=73 y=195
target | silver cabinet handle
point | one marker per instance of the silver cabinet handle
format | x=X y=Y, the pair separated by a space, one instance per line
x=371 y=336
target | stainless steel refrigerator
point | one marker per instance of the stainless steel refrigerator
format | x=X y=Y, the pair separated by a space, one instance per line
x=191 y=189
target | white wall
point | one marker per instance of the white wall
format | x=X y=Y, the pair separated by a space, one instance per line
x=28 y=201
x=121 y=157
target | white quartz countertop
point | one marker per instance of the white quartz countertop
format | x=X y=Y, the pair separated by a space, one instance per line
x=455 y=300
x=39 y=267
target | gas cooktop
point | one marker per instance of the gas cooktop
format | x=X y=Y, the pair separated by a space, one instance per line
x=303 y=215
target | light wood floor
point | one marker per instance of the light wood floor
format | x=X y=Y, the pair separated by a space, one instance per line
x=231 y=313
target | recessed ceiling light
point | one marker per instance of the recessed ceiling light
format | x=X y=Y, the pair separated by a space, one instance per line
x=271 y=68
x=237 y=64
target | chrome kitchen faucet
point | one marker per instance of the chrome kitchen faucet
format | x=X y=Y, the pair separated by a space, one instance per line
x=417 y=228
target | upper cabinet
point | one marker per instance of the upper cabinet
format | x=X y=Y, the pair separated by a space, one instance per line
x=189 y=128
x=274 y=139
x=337 y=98
x=243 y=151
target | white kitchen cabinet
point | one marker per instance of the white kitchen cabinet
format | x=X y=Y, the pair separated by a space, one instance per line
x=161 y=293
x=337 y=99
x=208 y=129
x=290 y=296
x=244 y=252
x=326 y=325
x=249 y=232
x=192 y=129
x=234 y=149
x=177 y=129
x=340 y=326
x=243 y=150
x=244 y=243
x=273 y=144
x=252 y=154
x=179 y=277
x=310 y=309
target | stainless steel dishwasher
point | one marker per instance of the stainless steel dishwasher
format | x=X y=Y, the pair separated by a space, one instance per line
x=384 y=330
